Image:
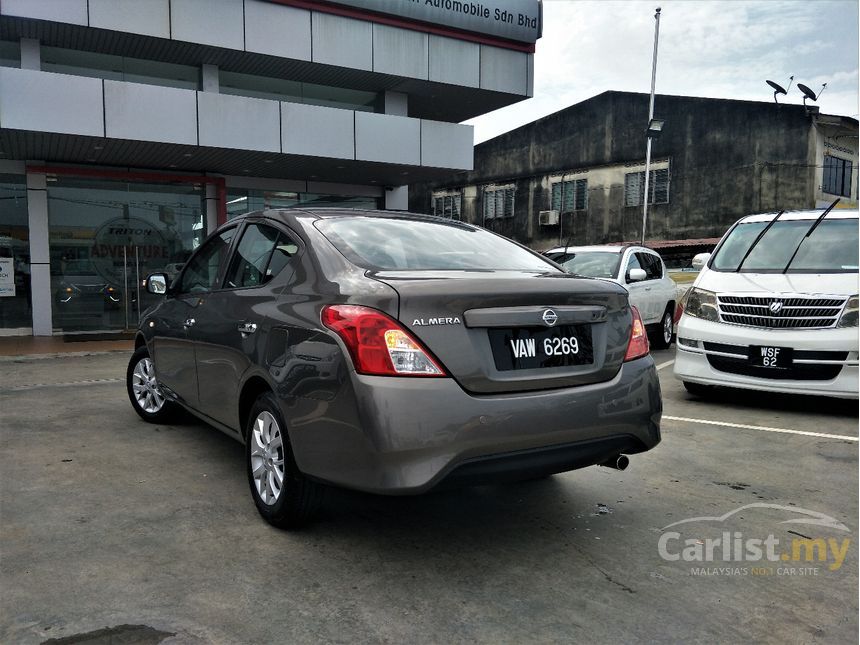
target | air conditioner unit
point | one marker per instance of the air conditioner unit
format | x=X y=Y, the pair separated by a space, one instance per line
x=548 y=218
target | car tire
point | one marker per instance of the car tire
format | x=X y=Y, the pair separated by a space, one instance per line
x=282 y=494
x=661 y=338
x=699 y=389
x=144 y=393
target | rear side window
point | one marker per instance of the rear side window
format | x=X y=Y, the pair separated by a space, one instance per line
x=262 y=253
x=652 y=265
x=382 y=243
x=201 y=272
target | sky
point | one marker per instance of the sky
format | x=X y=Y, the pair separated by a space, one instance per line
x=711 y=48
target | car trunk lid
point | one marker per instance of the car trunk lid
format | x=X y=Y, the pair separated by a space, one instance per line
x=512 y=331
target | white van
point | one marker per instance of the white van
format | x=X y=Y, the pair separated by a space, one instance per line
x=775 y=308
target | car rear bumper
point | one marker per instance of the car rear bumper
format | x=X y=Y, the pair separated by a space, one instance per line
x=413 y=434
x=825 y=360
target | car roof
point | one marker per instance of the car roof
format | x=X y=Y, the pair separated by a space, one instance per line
x=605 y=248
x=333 y=212
x=320 y=213
x=800 y=215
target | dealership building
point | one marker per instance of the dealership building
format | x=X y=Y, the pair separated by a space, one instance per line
x=130 y=129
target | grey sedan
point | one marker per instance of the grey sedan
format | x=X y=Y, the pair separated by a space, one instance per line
x=393 y=353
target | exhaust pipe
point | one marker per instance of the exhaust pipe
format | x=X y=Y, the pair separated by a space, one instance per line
x=618 y=463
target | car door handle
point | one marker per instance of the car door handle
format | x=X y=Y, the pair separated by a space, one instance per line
x=247 y=328
x=189 y=322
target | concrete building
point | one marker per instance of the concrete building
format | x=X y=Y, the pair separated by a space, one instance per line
x=578 y=174
x=130 y=129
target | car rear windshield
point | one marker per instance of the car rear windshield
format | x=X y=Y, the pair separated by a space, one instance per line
x=832 y=247
x=593 y=264
x=382 y=243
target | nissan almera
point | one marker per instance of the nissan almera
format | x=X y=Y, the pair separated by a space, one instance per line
x=392 y=353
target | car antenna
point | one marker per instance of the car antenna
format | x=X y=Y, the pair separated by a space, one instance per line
x=810 y=231
x=757 y=240
x=567 y=242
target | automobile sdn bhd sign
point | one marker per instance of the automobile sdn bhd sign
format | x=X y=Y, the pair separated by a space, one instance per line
x=513 y=20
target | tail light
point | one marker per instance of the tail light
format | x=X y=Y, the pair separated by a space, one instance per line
x=378 y=344
x=638 y=345
x=679 y=311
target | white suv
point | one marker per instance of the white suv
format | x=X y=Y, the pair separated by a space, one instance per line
x=640 y=270
x=775 y=308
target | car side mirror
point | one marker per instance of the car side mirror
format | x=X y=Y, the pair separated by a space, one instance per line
x=636 y=275
x=700 y=260
x=157 y=283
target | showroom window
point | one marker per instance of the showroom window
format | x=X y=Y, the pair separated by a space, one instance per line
x=575 y=195
x=499 y=202
x=106 y=236
x=240 y=200
x=658 y=187
x=119 y=68
x=447 y=205
x=280 y=89
x=15 y=299
x=837 y=176
x=10 y=53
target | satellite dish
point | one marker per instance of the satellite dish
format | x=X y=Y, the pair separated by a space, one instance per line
x=779 y=89
x=807 y=93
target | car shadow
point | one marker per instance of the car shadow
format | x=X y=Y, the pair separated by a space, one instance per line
x=540 y=511
x=751 y=399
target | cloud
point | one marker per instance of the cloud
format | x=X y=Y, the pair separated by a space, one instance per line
x=719 y=49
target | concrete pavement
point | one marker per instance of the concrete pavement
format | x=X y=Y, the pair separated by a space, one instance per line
x=109 y=522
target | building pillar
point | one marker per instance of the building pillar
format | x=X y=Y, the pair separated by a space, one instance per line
x=396 y=103
x=211 y=199
x=209 y=79
x=31 y=54
x=40 y=255
x=397 y=198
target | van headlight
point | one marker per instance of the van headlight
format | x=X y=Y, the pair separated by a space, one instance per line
x=849 y=313
x=700 y=303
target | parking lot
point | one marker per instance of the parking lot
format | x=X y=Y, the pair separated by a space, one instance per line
x=109 y=522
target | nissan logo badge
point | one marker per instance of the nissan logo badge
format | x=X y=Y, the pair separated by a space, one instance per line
x=549 y=317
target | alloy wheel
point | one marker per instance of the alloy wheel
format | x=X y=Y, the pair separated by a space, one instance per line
x=267 y=457
x=668 y=328
x=147 y=394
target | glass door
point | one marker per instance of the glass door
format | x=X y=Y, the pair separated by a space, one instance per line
x=106 y=237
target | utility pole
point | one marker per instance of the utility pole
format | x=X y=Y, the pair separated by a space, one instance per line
x=650 y=117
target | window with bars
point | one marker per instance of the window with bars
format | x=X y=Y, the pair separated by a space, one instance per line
x=575 y=193
x=837 y=176
x=499 y=202
x=447 y=205
x=658 y=187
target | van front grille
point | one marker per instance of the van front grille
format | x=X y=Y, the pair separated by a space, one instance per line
x=776 y=312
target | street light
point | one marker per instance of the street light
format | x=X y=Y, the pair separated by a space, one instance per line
x=653 y=128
